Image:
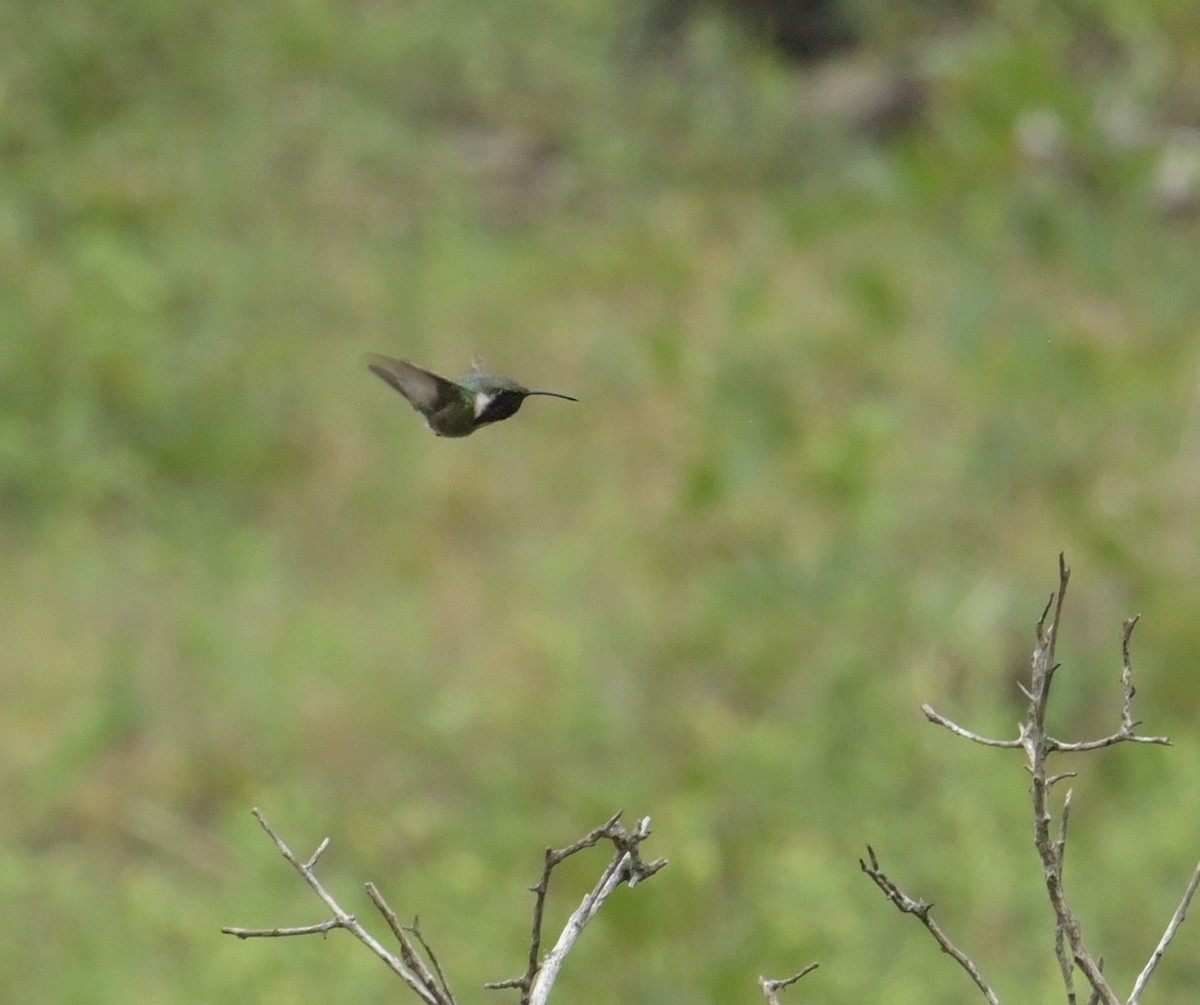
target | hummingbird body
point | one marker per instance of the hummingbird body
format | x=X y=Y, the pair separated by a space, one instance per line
x=455 y=408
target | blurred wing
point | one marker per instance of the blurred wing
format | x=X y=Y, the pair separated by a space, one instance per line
x=425 y=391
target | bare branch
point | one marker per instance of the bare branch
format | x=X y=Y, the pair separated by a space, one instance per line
x=551 y=859
x=940 y=720
x=626 y=867
x=1127 y=731
x=1094 y=997
x=1065 y=960
x=1064 y=577
x=316 y=855
x=1070 y=949
x=340 y=919
x=1039 y=745
x=408 y=953
x=512 y=982
x=1127 y=672
x=612 y=877
x=771 y=988
x=278 y=933
x=921 y=909
x=1107 y=741
x=1060 y=846
x=1176 y=920
x=415 y=929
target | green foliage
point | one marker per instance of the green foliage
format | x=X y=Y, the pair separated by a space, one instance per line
x=842 y=402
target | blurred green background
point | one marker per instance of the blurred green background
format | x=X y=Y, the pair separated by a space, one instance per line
x=861 y=342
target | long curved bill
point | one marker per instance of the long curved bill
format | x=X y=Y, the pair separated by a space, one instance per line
x=551 y=394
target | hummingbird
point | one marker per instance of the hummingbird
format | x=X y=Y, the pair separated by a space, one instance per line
x=455 y=408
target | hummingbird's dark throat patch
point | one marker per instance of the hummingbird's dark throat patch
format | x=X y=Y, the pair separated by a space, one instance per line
x=502 y=405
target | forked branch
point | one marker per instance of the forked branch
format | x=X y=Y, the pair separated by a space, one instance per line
x=1033 y=736
x=626 y=867
x=408 y=966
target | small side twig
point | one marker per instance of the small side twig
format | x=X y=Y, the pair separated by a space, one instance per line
x=415 y=930
x=280 y=933
x=771 y=988
x=940 y=720
x=920 y=909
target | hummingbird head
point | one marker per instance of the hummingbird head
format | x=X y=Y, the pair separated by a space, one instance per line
x=504 y=398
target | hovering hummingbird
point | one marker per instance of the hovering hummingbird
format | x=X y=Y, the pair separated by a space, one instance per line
x=455 y=408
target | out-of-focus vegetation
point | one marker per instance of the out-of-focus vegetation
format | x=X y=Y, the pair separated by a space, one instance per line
x=846 y=391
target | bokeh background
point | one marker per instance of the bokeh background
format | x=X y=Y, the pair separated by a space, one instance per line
x=872 y=309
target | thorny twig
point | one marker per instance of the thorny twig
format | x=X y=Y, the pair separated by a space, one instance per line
x=921 y=909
